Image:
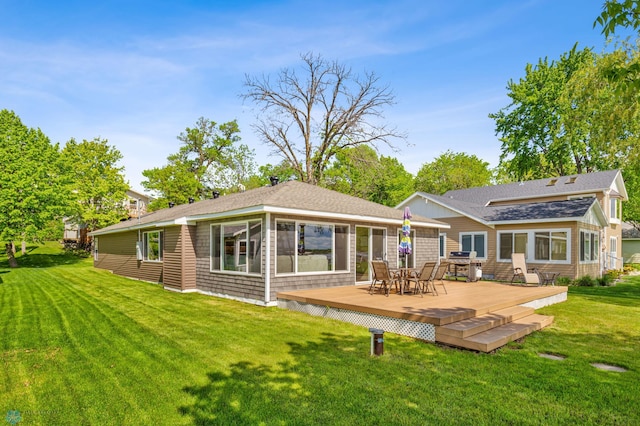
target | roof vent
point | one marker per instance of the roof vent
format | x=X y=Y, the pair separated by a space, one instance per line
x=572 y=179
x=191 y=200
x=552 y=182
x=171 y=204
x=216 y=194
x=274 y=180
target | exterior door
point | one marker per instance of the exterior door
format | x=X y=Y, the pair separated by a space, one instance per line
x=613 y=253
x=371 y=245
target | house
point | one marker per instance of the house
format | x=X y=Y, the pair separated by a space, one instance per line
x=135 y=204
x=250 y=245
x=630 y=243
x=570 y=225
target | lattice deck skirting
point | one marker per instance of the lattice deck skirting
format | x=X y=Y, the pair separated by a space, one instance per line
x=418 y=330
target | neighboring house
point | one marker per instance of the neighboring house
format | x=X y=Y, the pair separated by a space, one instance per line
x=250 y=245
x=569 y=225
x=135 y=205
x=630 y=243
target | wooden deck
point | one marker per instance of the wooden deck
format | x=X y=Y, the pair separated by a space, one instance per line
x=470 y=312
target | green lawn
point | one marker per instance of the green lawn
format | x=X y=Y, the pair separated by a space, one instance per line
x=83 y=346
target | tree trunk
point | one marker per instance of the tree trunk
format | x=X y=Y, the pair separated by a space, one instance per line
x=24 y=248
x=13 y=263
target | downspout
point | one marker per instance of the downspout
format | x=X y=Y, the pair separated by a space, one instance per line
x=267 y=259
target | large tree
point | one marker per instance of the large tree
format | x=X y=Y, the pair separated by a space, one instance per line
x=535 y=139
x=209 y=158
x=453 y=170
x=570 y=117
x=98 y=183
x=33 y=186
x=358 y=171
x=309 y=115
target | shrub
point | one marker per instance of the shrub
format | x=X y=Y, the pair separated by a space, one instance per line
x=607 y=279
x=565 y=281
x=585 y=281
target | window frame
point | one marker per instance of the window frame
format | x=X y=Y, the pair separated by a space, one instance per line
x=296 y=235
x=145 y=246
x=594 y=246
x=218 y=266
x=442 y=245
x=530 y=253
x=473 y=234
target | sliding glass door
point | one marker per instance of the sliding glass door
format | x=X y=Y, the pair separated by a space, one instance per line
x=371 y=244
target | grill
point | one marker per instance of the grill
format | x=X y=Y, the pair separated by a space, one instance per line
x=465 y=265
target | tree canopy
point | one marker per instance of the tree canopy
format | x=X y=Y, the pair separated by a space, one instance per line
x=625 y=13
x=33 y=186
x=358 y=171
x=98 y=184
x=452 y=170
x=568 y=116
x=308 y=118
x=209 y=158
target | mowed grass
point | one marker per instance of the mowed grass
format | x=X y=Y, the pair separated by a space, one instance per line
x=83 y=346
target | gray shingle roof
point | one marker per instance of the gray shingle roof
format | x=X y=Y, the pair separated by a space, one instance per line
x=540 y=211
x=291 y=196
x=597 y=181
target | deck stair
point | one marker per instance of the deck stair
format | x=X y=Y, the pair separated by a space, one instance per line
x=493 y=330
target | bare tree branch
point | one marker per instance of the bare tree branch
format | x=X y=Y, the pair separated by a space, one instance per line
x=309 y=118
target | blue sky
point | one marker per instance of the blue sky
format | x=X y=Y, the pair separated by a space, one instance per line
x=137 y=73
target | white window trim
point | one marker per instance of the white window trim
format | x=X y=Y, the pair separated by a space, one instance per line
x=531 y=234
x=598 y=251
x=461 y=234
x=145 y=245
x=442 y=236
x=221 y=242
x=615 y=217
x=297 y=238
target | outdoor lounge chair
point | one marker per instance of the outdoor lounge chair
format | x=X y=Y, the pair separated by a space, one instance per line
x=440 y=272
x=520 y=271
x=383 y=279
x=424 y=279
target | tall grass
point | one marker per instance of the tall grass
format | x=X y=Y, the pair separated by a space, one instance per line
x=83 y=346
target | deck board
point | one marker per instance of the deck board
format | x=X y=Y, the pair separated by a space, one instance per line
x=464 y=300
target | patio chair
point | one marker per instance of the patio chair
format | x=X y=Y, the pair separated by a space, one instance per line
x=383 y=279
x=440 y=272
x=424 y=279
x=520 y=271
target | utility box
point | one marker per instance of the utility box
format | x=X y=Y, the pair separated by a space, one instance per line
x=377 y=341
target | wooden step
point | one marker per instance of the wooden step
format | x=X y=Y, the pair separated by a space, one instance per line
x=471 y=326
x=494 y=338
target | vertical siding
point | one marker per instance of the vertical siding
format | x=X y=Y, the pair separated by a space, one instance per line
x=188 y=240
x=117 y=253
x=172 y=257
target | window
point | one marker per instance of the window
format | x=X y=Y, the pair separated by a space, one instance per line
x=589 y=246
x=512 y=242
x=474 y=241
x=442 y=245
x=537 y=245
x=550 y=245
x=614 y=212
x=152 y=250
x=311 y=247
x=237 y=247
